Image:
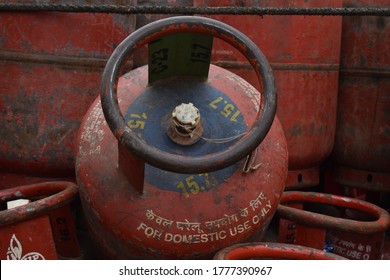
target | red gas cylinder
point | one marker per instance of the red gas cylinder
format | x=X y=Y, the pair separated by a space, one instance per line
x=362 y=144
x=304 y=53
x=41 y=229
x=348 y=227
x=49 y=76
x=269 y=250
x=196 y=162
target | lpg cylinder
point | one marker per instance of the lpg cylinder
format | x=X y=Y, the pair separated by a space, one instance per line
x=196 y=161
x=361 y=153
x=304 y=53
x=49 y=76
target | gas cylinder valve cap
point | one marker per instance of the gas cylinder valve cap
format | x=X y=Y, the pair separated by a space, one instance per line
x=185 y=127
x=186 y=114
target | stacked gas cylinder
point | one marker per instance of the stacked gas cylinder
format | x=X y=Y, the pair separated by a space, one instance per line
x=49 y=76
x=271 y=133
x=333 y=103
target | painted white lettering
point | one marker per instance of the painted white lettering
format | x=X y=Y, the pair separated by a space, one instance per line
x=168 y=237
x=338 y=250
x=233 y=231
x=347 y=244
x=194 y=238
x=353 y=255
x=222 y=234
x=204 y=238
x=255 y=219
x=177 y=238
x=142 y=226
x=247 y=225
x=239 y=228
x=149 y=231
x=264 y=211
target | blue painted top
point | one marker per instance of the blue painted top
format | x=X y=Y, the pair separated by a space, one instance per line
x=150 y=113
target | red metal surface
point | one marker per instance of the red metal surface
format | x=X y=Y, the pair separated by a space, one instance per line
x=28 y=240
x=64 y=232
x=136 y=236
x=10 y=180
x=49 y=76
x=41 y=229
x=305 y=61
x=278 y=251
x=368 y=193
x=354 y=228
x=362 y=143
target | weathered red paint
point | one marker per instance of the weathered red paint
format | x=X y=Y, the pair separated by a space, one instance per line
x=278 y=251
x=354 y=228
x=362 y=143
x=49 y=76
x=29 y=240
x=43 y=228
x=10 y=180
x=62 y=221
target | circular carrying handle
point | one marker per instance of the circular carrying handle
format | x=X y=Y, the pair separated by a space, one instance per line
x=266 y=250
x=328 y=222
x=167 y=161
x=56 y=195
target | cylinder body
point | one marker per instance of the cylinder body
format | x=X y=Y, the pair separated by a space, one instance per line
x=362 y=144
x=179 y=215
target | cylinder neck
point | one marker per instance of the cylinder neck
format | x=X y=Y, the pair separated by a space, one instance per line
x=185 y=126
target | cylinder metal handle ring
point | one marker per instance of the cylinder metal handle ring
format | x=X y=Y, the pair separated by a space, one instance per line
x=171 y=162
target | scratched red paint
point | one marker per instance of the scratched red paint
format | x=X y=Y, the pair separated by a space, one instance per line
x=50 y=72
x=362 y=143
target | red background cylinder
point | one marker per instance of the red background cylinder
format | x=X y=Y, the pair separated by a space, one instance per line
x=50 y=70
x=362 y=144
x=304 y=52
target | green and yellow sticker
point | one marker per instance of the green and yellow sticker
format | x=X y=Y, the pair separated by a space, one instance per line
x=180 y=54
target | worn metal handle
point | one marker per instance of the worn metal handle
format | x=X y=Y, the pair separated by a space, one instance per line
x=171 y=162
x=381 y=224
x=52 y=195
